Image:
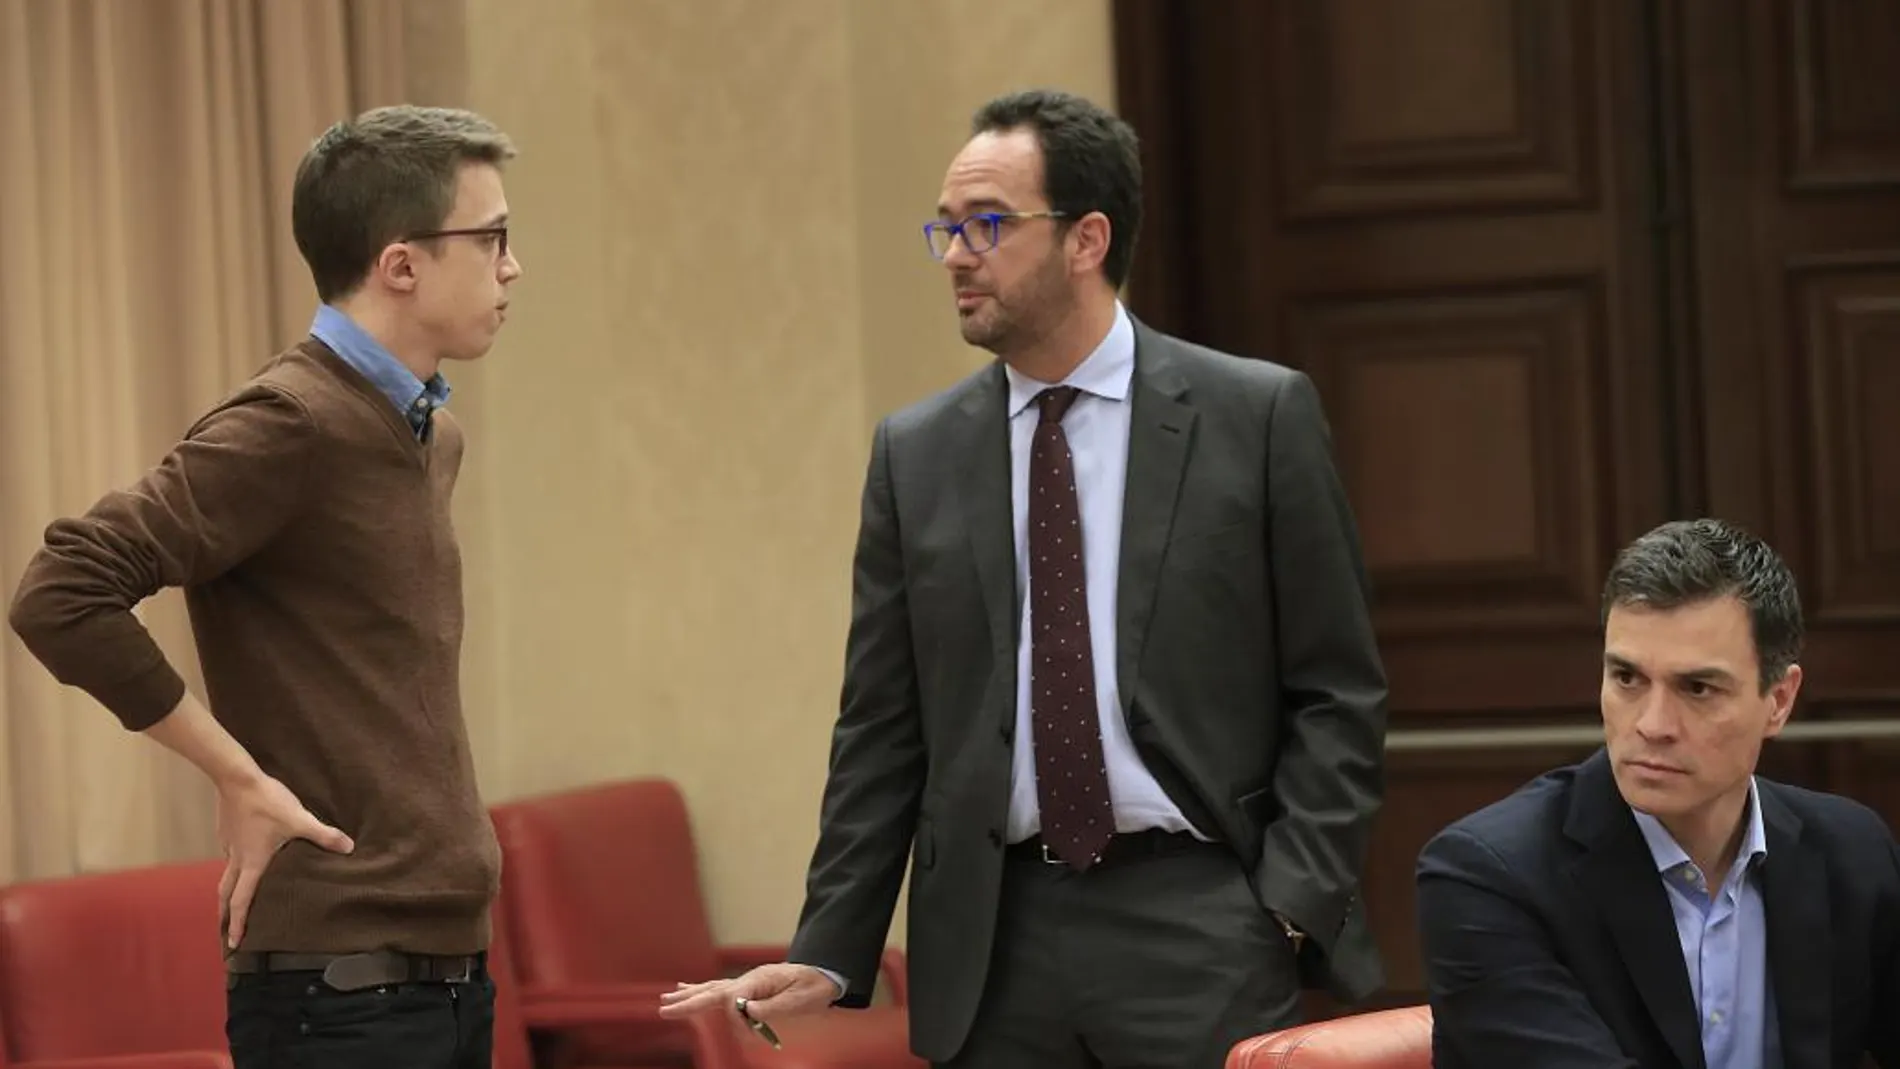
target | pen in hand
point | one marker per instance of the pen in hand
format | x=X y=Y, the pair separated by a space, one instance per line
x=764 y=1030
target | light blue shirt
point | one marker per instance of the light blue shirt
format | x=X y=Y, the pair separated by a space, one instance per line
x=1724 y=938
x=1097 y=426
x=415 y=399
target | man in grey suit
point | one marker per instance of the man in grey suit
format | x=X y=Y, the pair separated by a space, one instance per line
x=1110 y=681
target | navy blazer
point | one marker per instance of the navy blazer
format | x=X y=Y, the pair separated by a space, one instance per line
x=1549 y=941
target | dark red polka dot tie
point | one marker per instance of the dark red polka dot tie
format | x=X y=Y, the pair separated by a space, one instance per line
x=1071 y=776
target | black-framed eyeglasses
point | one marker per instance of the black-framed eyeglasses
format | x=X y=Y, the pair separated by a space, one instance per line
x=499 y=233
x=980 y=232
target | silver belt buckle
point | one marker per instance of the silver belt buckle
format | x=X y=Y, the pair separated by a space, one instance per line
x=1050 y=857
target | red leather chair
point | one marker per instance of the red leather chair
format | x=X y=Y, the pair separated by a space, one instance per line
x=512 y=1047
x=117 y=970
x=198 y=1059
x=1386 y=1039
x=714 y=1046
x=601 y=891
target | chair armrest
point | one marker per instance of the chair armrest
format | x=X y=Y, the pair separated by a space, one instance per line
x=736 y=959
x=715 y=1041
x=183 y=1059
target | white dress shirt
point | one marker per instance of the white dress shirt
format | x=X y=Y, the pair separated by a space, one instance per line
x=1097 y=427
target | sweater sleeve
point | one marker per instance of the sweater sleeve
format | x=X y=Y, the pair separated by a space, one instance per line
x=222 y=493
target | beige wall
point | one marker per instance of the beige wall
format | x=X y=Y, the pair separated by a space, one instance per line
x=717 y=207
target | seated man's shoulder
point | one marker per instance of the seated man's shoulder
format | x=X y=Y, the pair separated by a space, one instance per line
x=1519 y=831
x=1830 y=817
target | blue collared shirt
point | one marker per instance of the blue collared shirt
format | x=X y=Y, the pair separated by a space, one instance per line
x=415 y=399
x=1724 y=937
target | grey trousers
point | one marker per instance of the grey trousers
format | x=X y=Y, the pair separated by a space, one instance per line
x=1160 y=962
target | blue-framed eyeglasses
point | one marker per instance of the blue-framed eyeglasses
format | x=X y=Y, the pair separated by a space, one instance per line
x=980 y=232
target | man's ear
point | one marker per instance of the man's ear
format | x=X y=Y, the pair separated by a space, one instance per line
x=1090 y=236
x=395 y=267
x=1782 y=693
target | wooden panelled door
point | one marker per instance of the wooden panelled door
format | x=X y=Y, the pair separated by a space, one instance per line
x=1561 y=270
x=1794 y=192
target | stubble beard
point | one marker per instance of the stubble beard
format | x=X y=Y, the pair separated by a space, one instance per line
x=1008 y=324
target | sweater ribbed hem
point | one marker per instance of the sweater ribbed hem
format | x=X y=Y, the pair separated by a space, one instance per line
x=314 y=917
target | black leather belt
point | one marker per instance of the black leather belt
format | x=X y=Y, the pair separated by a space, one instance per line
x=356 y=972
x=1122 y=847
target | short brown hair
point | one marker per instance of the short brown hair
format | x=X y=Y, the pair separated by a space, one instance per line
x=388 y=173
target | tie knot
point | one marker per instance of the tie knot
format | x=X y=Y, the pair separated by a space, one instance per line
x=1055 y=402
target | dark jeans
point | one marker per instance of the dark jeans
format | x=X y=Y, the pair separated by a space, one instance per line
x=293 y=1020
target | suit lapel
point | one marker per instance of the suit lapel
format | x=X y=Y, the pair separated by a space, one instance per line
x=1160 y=430
x=984 y=494
x=1795 y=898
x=1618 y=875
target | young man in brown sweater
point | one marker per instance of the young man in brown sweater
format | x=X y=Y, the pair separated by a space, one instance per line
x=307 y=518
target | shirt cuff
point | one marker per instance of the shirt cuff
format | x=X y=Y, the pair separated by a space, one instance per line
x=834 y=978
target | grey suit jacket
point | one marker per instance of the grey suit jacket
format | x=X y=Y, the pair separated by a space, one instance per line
x=1247 y=668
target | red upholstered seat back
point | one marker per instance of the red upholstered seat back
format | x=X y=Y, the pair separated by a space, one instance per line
x=113 y=963
x=512 y=1050
x=1386 y=1039
x=607 y=881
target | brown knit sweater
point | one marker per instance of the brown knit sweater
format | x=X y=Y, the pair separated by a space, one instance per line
x=311 y=533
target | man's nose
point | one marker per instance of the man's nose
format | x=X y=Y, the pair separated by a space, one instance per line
x=958 y=255
x=1656 y=717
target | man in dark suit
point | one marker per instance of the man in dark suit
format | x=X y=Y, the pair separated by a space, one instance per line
x=1660 y=905
x=1110 y=680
